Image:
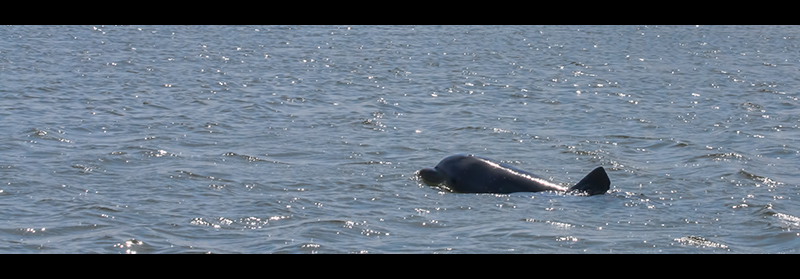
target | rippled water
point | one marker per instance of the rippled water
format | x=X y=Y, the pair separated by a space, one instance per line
x=306 y=139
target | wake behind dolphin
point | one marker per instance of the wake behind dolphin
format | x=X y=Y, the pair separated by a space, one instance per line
x=472 y=174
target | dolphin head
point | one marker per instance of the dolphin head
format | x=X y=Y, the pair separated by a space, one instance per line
x=431 y=176
x=445 y=172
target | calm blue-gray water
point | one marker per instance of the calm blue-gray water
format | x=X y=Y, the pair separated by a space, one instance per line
x=306 y=139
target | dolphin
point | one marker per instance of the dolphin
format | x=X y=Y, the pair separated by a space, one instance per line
x=472 y=174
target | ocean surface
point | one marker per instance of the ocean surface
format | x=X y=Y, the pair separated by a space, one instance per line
x=307 y=139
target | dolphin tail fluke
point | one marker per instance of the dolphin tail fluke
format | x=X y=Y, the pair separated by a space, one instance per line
x=594 y=183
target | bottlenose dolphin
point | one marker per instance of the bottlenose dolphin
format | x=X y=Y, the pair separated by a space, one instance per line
x=472 y=174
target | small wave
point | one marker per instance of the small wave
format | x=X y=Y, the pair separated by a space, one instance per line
x=84 y=168
x=560 y=225
x=240 y=223
x=191 y=175
x=700 y=242
x=750 y=106
x=761 y=180
x=49 y=134
x=158 y=153
x=786 y=221
x=250 y=158
x=370 y=163
x=724 y=156
x=789 y=221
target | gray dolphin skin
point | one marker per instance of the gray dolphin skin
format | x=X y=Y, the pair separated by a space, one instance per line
x=472 y=174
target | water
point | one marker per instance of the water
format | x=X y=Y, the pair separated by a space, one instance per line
x=306 y=139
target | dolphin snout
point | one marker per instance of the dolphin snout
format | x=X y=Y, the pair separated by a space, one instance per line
x=431 y=176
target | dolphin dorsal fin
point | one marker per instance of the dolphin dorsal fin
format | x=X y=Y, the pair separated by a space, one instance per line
x=594 y=183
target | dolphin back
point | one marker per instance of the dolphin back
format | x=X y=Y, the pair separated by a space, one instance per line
x=594 y=183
